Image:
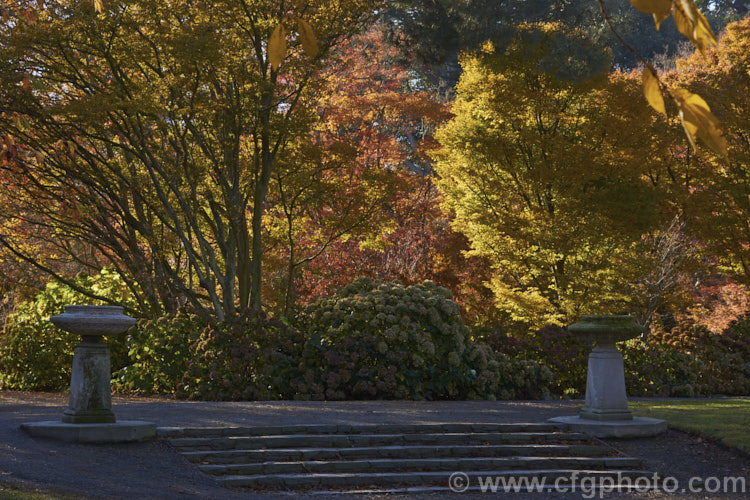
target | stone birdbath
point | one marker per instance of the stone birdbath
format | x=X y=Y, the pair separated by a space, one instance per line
x=89 y=416
x=90 y=391
x=606 y=398
x=605 y=412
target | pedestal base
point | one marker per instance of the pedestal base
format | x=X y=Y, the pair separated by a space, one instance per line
x=88 y=417
x=632 y=428
x=90 y=395
x=605 y=415
x=605 y=386
x=120 y=432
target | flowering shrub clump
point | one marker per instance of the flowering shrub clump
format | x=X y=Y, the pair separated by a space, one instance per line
x=686 y=361
x=251 y=358
x=378 y=340
x=500 y=377
x=653 y=368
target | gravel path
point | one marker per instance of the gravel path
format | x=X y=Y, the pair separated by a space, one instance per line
x=152 y=470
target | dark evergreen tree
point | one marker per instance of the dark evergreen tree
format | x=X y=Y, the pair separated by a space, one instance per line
x=434 y=32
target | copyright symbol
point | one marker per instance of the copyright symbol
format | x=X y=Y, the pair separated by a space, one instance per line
x=458 y=482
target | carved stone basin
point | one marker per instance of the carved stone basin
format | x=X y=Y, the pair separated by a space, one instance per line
x=606 y=330
x=89 y=417
x=93 y=321
x=606 y=412
x=90 y=391
x=606 y=398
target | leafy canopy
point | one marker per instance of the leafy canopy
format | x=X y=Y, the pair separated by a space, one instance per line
x=545 y=174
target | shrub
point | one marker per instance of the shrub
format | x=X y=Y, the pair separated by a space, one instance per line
x=656 y=369
x=253 y=357
x=553 y=347
x=718 y=362
x=378 y=340
x=523 y=379
x=34 y=354
x=158 y=355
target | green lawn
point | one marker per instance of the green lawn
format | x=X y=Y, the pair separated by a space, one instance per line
x=726 y=420
x=28 y=492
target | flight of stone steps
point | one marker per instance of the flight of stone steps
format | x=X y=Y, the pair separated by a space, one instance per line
x=389 y=456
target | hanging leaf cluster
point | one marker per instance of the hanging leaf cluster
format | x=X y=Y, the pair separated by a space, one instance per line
x=688 y=19
x=277 y=44
x=695 y=114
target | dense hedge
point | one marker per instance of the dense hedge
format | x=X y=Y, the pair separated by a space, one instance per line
x=371 y=340
x=689 y=360
x=685 y=361
x=553 y=347
x=254 y=357
x=158 y=353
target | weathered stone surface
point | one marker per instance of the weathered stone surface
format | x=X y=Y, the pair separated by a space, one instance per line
x=422 y=455
x=376 y=429
x=606 y=398
x=291 y=454
x=118 y=432
x=89 y=417
x=170 y=432
x=422 y=478
x=90 y=393
x=93 y=320
x=635 y=427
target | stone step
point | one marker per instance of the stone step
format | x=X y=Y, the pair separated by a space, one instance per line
x=213 y=432
x=422 y=464
x=368 y=440
x=440 y=451
x=421 y=478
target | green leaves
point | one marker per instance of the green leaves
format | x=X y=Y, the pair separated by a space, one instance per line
x=277 y=44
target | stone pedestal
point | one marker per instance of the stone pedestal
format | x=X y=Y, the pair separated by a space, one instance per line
x=89 y=417
x=90 y=391
x=606 y=412
x=605 y=386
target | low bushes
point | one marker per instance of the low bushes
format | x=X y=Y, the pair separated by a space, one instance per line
x=378 y=340
x=554 y=348
x=689 y=360
x=252 y=358
x=158 y=353
x=371 y=340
